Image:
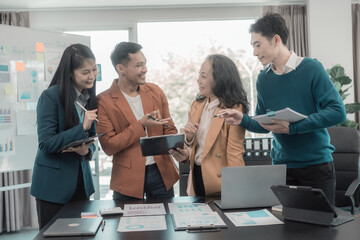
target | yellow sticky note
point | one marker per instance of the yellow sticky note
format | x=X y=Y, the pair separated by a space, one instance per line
x=9 y=89
x=40 y=57
x=40 y=47
x=20 y=66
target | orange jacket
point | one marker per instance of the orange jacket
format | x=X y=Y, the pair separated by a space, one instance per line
x=122 y=140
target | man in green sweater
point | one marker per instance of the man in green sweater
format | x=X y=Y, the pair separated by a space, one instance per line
x=303 y=85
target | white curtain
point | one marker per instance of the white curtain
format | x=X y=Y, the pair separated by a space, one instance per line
x=17 y=207
x=356 y=53
x=296 y=20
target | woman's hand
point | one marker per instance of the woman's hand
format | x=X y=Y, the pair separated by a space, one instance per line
x=190 y=128
x=89 y=117
x=81 y=150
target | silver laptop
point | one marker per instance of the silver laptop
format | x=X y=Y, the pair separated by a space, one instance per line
x=74 y=227
x=249 y=186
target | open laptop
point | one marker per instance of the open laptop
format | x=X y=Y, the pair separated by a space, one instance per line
x=73 y=227
x=310 y=205
x=249 y=186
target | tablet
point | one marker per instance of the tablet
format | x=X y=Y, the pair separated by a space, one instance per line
x=81 y=141
x=160 y=145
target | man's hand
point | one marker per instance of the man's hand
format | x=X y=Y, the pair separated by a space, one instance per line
x=180 y=155
x=231 y=116
x=277 y=126
x=153 y=119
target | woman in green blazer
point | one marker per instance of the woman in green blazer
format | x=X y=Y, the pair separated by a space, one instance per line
x=63 y=176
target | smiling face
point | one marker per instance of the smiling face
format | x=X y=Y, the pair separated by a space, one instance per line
x=264 y=49
x=135 y=70
x=85 y=76
x=206 y=80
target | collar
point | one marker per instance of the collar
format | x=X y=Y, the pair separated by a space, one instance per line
x=290 y=65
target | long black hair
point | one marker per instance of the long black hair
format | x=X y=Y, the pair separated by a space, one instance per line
x=228 y=87
x=73 y=58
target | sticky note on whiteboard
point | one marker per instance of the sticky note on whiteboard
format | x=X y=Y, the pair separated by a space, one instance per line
x=20 y=66
x=40 y=47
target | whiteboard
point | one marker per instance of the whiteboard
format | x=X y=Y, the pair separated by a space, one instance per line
x=28 y=60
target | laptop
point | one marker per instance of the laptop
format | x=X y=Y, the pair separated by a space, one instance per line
x=249 y=186
x=310 y=205
x=73 y=227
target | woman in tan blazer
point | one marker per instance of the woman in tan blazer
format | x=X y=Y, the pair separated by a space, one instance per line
x=213 y=144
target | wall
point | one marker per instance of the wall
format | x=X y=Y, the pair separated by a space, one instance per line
x=330 y=35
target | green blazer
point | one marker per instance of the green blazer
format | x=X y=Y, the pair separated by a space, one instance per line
x=55 y=174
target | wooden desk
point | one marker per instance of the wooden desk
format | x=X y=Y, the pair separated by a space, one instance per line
x=288 y=231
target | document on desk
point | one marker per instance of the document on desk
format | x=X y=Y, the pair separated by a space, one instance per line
x=188 y=207
x=253 y=218
x=144 y=209
x=186 y=220
x=142 y=223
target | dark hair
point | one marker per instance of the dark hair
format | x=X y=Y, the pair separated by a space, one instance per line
x=120 y=54
x=228 y=87
x=269 y=25
x=72 y=59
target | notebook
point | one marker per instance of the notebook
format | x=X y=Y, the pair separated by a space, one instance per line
x=310 y=205
x=249 y=186
x=73 y=227
x=160 y=145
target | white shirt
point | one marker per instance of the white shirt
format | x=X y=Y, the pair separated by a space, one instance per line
x=204 y=124
x=292 y=63
x=137 y=108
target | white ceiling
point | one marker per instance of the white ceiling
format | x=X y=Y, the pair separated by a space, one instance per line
x=71 y=4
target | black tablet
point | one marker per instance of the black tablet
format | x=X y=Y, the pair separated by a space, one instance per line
x=81 y=141
x=160 y=145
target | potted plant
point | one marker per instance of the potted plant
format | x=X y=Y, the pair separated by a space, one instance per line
x=340 y=79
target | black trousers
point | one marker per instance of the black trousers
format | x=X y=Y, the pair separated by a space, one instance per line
x=154 y=186
x=198 y=182
x=317 y=176
x=47 y=210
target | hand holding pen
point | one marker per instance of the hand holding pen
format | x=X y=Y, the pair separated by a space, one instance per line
x=153 y=119
x=89 y=117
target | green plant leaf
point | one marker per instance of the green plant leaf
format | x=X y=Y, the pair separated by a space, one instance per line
x=343 y=95
x=337 y=86
x=344 y=80
x=352 y=107
x=349 y=123
x=337 y=71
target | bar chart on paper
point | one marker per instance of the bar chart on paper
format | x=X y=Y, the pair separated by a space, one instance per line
x=7 y=141
x=5 y=114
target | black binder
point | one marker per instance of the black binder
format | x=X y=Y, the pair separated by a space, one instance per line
x=160 y=145
x=310 y=205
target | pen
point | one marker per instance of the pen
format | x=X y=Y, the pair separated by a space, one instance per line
x=217 y=115
x=81 y=106
x=103 y=225
x=151 y=117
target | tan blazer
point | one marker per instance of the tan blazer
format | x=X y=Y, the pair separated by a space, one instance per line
x=122 y=140
x=224 y=147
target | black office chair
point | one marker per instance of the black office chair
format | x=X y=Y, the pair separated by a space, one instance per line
x=347 y=167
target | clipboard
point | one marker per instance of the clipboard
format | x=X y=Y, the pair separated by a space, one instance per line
x=198 y=222
x=160 y=145
x=286 y=114
x=79 y=142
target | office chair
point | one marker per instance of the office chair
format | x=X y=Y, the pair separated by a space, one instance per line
x=347 y=167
